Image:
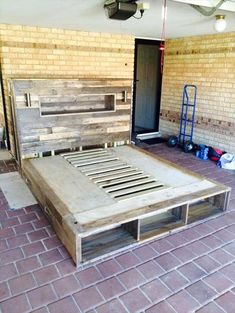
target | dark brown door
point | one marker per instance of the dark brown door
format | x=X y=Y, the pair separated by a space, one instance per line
x=147 y=86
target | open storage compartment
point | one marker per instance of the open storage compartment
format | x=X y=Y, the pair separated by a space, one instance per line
x=163 y=222
x=206 y=207
x=110 y=240
x=84 y=103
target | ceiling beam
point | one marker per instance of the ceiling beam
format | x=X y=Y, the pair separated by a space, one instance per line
x=227 y=6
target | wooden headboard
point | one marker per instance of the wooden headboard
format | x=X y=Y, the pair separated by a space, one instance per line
x=54 y=114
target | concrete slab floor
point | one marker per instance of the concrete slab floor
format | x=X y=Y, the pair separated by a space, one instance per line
x=16 y=191
x=189 y=271
x=5 y=155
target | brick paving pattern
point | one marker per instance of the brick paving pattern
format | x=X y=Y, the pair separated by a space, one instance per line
x=7 y=166
x=189 y=271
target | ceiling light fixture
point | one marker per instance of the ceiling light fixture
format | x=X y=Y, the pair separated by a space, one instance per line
x=220 y=23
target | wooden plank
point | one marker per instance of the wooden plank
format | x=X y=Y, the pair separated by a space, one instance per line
x=103 y=168
x=92 y=106
x=60 y=144
x=227 y=199
x=139 y=194
x=139 y=182
x=120 y=174
x=86 y=155
x=136 y=207
x=122 y=180
x=103 y=243
x=68 y=184
x=76 y=98
x=219 y=201
x=132 y=190
x=59 y=136
x=201 y=210
x=88 y=158
x=118 y=129
x=83 y=152
x=158 y=224
x=63 y=106
x=133 y=228
x=110 y=171
x=90 y=162
x=184 y=216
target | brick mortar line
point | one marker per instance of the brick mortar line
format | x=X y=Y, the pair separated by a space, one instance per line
x=211 y=50
x=51 y=280
x=218 y=294
x=176 y=268
x=171 y=292
x=166 y=114
x=168 y=251
x=191 y=227
x=216 y=231
x=195 y=281
x=79 y=47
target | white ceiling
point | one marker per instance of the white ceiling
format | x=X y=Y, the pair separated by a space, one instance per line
x=89 y=15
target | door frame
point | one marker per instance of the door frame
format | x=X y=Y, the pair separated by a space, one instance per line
x=149 y=42
x=4 y=109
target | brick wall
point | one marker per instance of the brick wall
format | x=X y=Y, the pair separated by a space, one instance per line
x=209 y=63
x=33 y=52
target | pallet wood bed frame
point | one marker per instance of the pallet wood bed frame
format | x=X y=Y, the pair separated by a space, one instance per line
x=101 y=199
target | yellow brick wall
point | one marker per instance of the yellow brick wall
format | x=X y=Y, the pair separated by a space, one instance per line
x=209 y=63
x=34 y=52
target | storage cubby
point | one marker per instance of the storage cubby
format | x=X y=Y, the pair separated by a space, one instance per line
x=163 y=222
x=84 y=103
x=107 y=241
x=206 y=207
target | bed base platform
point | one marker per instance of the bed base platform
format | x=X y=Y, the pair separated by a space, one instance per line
x=102 y=200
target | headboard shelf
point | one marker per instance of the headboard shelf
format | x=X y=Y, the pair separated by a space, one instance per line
x=54 y=114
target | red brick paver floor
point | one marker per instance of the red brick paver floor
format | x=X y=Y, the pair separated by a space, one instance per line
x=7 y=166
x=189 y=271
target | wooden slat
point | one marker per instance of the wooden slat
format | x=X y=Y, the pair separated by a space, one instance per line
x=90 y=151
x=122 y=180
x=59 y=144
x=92 y=158
x=88 y=156
x=140 y=194
x=131 y=190
x=139 y=182
x=67 y=135
x=96 y=161
x=124 y=173
x=101 y=168
x=110 y=172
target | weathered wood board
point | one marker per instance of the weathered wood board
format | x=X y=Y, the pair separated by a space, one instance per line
x=78 y=192
x=58 y=114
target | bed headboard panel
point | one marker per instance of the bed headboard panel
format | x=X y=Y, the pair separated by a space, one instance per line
x=59 y=114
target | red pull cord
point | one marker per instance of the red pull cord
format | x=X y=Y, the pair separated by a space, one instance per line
x=163 y=35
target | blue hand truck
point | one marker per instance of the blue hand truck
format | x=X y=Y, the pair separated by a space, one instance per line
x=187 y=114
